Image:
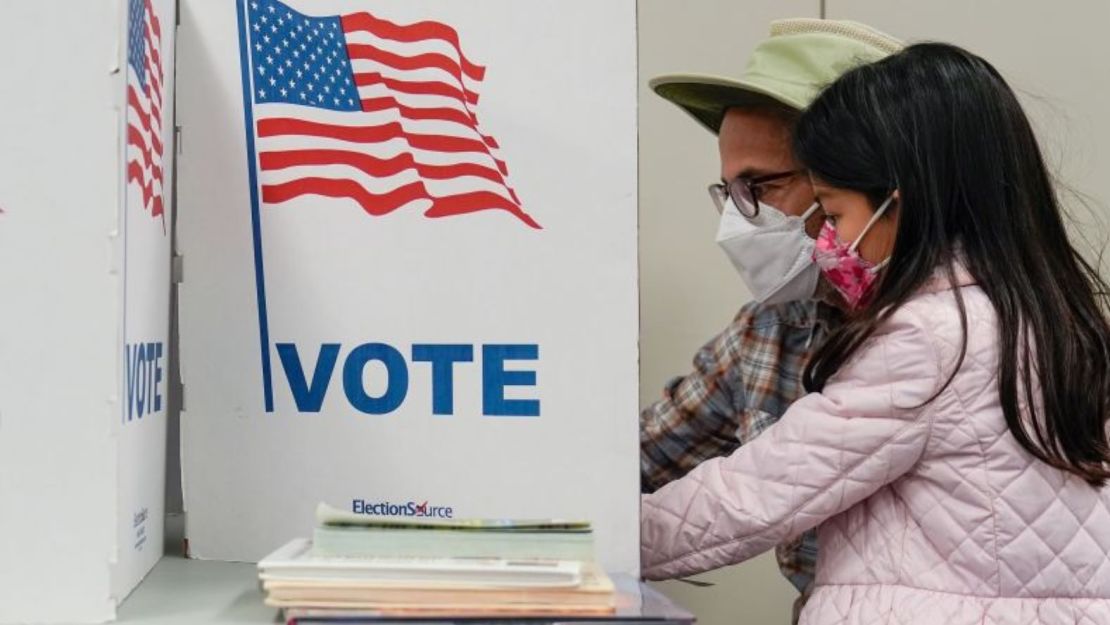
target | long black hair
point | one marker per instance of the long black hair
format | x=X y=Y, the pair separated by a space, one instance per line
x=942 y=126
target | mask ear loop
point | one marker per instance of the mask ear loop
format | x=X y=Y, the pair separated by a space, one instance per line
x=874 y=218
x=810 y=211
x=877 y=268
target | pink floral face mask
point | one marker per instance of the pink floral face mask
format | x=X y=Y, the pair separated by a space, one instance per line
x=851 y=274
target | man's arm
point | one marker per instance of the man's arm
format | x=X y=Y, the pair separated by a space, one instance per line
x=742 y=381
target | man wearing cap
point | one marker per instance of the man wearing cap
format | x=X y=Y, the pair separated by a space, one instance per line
x=745 y=378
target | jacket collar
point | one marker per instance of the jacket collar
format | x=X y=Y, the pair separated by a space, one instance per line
x=941 y=281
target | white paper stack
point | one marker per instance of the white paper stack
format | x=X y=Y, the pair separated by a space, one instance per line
x=294 y=578
x=424 y=574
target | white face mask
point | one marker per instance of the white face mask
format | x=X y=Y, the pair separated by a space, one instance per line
x=772 y=252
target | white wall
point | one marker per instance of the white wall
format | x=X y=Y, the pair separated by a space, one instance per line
x=1056 y=53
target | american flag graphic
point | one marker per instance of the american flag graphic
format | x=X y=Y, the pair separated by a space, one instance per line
x=144 y=105
x=360 y=109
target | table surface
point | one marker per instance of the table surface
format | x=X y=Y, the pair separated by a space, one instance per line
x=187 y=592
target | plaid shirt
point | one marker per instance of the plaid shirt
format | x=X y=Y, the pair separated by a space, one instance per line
x=743 y=381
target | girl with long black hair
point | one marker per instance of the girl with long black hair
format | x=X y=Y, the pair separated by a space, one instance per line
x=953 y=449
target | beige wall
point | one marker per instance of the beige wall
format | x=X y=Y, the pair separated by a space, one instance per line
x=688 y=289
x=1055 y=53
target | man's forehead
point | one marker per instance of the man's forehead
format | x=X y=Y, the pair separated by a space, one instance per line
x=755 y=141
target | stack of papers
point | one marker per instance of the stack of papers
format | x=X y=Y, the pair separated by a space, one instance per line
x=340 y=533
x=437 y=568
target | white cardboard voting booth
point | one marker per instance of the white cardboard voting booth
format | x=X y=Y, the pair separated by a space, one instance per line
x=85 y=322
x=408 y=232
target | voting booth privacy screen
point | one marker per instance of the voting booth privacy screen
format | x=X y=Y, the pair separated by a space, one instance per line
x=84 y=341
x=408 y=240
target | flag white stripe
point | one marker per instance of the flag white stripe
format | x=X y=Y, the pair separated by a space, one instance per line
x=430 y=74
x=370 y=118
x=413 y=100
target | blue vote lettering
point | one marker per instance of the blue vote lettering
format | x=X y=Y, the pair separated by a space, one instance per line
x=143 y=362
x=309 y=390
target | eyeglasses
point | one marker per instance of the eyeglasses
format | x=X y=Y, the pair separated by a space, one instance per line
x=744 y=192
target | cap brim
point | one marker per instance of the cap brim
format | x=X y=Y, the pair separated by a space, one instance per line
x=706 y=98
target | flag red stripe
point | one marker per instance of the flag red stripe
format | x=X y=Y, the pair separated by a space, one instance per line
x=411 y=33
x=443 y=143
x=473 y=202
x=133 y=102
x=413 y=87
x=377 y=167
x=155 y=137
x=156 y=58
x=372 y=203
x=135 y=174
x=153 y=88
x=155 y=119
x=279 y=126
x=151 y=49
x=442 y=113
x=144 y=117
x=135 y=138
x=385 y=203
x=428 y=60
x=154 y=25
x=372 y=105
x=153 y=85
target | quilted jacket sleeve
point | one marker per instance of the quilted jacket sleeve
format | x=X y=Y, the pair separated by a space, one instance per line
x=830 y=451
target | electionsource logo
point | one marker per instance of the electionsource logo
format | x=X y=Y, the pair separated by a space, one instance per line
x=410 y=509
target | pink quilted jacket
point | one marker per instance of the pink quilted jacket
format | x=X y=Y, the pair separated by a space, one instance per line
x=927 y=514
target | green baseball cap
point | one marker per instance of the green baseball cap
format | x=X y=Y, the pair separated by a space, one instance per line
x=789 y=68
